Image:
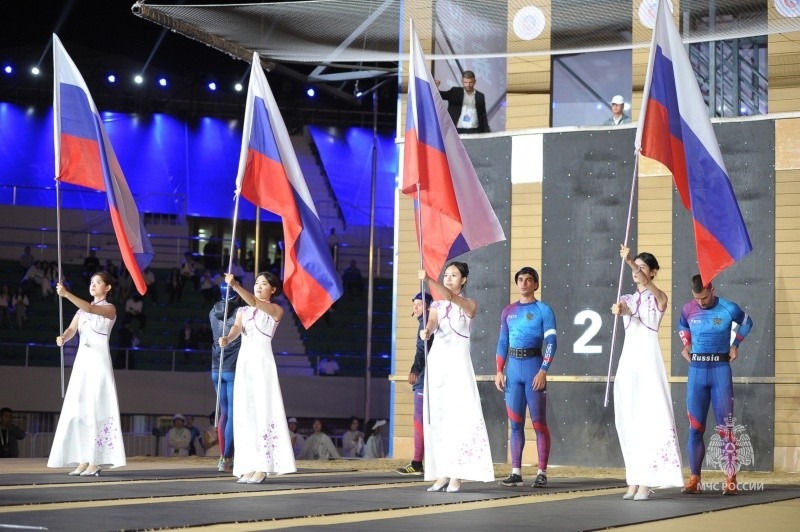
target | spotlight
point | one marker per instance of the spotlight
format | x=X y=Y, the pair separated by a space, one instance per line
x=311 y=92
x=356 y=91
x=162 y=82
x=111 y=78
x=212 y=86
x=238 y=87
x=8 y=69
x=35 y=71
x=138 y=79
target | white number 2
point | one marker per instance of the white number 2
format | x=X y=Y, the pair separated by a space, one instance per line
x=581 y=346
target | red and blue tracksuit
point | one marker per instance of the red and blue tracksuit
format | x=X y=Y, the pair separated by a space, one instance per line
x=526 y=326
x=707 y=332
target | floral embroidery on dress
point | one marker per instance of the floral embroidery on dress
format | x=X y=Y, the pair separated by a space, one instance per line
x=667 y=456
x=476 y=448
x=270 y=446
x=108 y=436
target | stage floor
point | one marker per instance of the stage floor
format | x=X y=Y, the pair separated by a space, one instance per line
x=165 y=495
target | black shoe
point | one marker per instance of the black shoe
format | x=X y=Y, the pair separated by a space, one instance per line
x=512 y=480
x=541 y=481
x=410 y=470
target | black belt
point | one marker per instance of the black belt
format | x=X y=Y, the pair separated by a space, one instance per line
x=711 y=357
x=528 y=352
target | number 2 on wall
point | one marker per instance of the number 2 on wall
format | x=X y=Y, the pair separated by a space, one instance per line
x=581 y=345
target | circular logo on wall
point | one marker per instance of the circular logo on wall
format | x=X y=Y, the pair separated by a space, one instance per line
x=647 y=12
x=529 y=23
x=788 y=8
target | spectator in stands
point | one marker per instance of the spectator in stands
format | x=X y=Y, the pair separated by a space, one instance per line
x=353 y=440
x=333 y=242
x=179 y=438
x=5 y=303
x=208 y=287
x=203 y=337
x=197 y=437
x=150 y=282
x=20 y=307
x=319 y=445
x=91 y=265
x=298 y=440
x=189 y=271
x=26 y=259
x=375 y=448
x=187 y=338
x=352 y=281
x=134 y=310
x=10 y=434
x=249 y=263
x=327 y=366
x=49 y=278
x=175 y=286
x=210 y=439
x=32 y=280
x=112 y=269
x=125 y=284
x=211 y=256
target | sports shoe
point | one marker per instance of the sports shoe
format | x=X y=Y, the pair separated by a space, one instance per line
x=512 y=480
x=410 y=470
x=730 y=486
x=541 y=481
x=221 y=464
x=693 y=487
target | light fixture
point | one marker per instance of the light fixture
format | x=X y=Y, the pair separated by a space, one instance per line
x=8 y=69
x=35 y=71
x=162 y=82
x=138 y=79
x=212 y=86
x=311 y=92
x=111 y=78
x=238 y=87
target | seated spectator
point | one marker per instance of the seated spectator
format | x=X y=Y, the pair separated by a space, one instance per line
x=150 y=282
x=298 y=440
x=353 y=440
x=134 y=310
x=209 y=288
x=179 y=438
x=189 y=271
x=375 y=447
x=10 y=434
x=318 y=445
x=328 y=366
x=197 y=438
x=211 y=438
x=124 y=285
x=19 y=306
x=187 y=337
x=5 y=303
x=91 y=265
x=175 y=286
x=49 y=278
x=352 y=281
x=26 y=259
x=204 y=337
x=32 y=280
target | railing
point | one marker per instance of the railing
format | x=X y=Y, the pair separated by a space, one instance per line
x=37 y=445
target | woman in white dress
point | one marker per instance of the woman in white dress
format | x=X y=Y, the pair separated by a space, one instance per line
x=353 y=440
x=456 y=442
x=88 y=434
x=263 y=442
x=642 y=400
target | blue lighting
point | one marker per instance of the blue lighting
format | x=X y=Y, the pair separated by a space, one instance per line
x=138 y=79
x=162 y=82
x=8 y=69
x=212 y=86
x=111 y=78
x=311 y=92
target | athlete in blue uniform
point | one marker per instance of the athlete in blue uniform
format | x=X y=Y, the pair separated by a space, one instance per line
x=705 y=330
x=528 y=342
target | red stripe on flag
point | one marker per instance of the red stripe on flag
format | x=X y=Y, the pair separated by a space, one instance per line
x=80 y=163
x=712 y=257
x=658 y=144
x=125 y=250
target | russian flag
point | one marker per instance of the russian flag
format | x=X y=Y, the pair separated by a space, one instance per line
x=84 y=156
x=455 y=213
x=674 y=129
x=270 y=177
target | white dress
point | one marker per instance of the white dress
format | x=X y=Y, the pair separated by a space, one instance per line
x=642 y=400
x=456 y=442
x=89 y=426
x=260 y=433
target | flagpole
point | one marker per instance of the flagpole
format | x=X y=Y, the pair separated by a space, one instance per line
x=60 y=279
x=621 y=273
x=225 y=312
x=422 y=292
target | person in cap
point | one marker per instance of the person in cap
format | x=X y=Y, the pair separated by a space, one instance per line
x=179 y=438
x=416 y=378
x=375 y=447
x=618 y=116
x=225 y=391
x=263 y=442
x=298 y=440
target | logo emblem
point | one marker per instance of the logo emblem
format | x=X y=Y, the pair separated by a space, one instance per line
x=729 y=448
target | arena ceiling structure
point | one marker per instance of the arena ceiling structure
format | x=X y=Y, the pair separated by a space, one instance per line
x=350 y=40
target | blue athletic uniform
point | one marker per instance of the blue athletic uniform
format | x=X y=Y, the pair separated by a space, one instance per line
x=527 y=329
x=225 y=423
x=708 y=333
